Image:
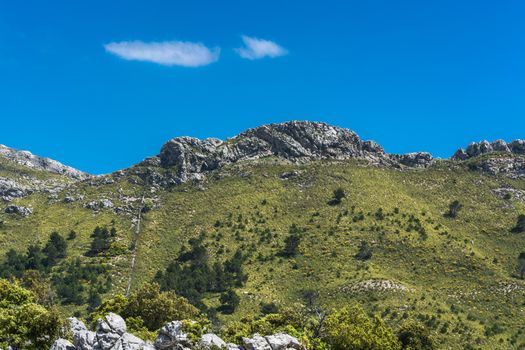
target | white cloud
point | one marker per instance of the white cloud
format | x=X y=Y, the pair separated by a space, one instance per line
x=255 y=48
x=169 y=53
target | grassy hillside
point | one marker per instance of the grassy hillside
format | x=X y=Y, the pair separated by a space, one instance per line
x=457 y=275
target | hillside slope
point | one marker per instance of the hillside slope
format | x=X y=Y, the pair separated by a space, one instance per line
x=387 y=244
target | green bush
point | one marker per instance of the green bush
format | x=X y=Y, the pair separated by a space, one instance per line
x=352 y=329
x=23 y=323
x=415 y=336
x=520 y=224
x=153 y=307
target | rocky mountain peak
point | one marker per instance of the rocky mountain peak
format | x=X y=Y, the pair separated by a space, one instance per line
x=28 y=159
x=483 y=147
x=294 y=141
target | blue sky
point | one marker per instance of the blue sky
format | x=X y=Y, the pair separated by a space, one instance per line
x=100 y=85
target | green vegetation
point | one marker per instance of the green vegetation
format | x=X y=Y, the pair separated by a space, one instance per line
x=386 y=246
x=339 y=194
x=353 y=329
x=453 y=209
x=148 y=309
x=520 y=224
x=25 y=324
x=191 y=276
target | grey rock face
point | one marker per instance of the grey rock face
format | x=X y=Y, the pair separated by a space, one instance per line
x=115 y=323
x=414 y=160
x=27 y=159
x=172 y=336
x=109 y=331
x=62 y=344
x=69 y=199
x=256 y=343
x=513 y=168
x=283 y=341
x=111 y=334
x=517 y=146
x=295 y=142
x=210 y=340
x=100 y=204
x=230 y=346
x=10 y=189
x=460 y=154
x=278 y=341
x=479 y=148
x=15 y=209
x=84 y=340
x=500 y=146
x=75 y=325
x=509 y=193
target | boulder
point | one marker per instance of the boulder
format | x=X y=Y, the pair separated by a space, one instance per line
x=131 y=342
x=484 y=147
x=10 y=189
x=15 y=209
x=209 y=340
x=256 y=342
x=84 y=340
x=500 y=146
x=100 y=204
x=69 y=199
x=415 y=159
x=283 y=341
x=172 y=336
x=231 y=346
x=62 y=344
x=460 y=154
x=517 y=146
x=109 y=331
x=76 y=325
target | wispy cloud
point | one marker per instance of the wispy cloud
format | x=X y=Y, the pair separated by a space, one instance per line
x=169 y=53
x=255 y=48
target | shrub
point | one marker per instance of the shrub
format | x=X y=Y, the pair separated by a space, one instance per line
x=269 y=308
x=453 y=209
x=153 y=307
x=413 y=335
x=337 y=196
x=291 y=243
x=520 y=224
x=229 y=302
x=102 y=239
x=352 y=329
x=365 y=251
x=55 y=249
x=23 y=323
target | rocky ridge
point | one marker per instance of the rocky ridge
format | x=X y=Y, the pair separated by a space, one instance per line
x=509 y=162
x=29 y=160
x=184 y=159
x=16 y=184
x=516 y=147
x=111 y=334
x=295 y=142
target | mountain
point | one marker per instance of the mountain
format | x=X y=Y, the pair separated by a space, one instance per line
x=306 y=209
x=22 y=173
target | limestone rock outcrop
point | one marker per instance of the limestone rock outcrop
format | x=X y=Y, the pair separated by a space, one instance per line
x=111 y=334
x=28 y=159
x=475 y=149
x=296 y=142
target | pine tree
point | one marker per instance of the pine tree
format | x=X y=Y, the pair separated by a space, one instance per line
x=55 y=249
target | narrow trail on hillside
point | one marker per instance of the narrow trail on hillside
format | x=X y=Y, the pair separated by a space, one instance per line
x=135 y=245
